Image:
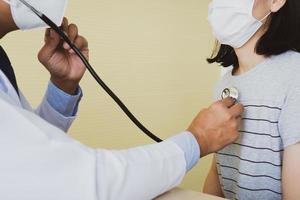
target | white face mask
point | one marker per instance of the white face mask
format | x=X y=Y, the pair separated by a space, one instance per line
x=232 y=21
x=25 y=19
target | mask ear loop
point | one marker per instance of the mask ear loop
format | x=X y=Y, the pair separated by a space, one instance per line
x=270 y=12
x=265 y=17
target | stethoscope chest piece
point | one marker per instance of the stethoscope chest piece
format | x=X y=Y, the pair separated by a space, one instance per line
x=230 y=92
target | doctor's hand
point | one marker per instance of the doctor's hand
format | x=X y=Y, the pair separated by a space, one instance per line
x=217 y=126
x=64 y=65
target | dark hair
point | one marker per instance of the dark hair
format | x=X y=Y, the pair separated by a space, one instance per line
x=283 y=34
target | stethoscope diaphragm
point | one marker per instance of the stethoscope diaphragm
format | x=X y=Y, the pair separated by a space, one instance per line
x=231 y=92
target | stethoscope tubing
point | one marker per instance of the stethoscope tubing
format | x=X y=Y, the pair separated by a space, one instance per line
x=94 y=74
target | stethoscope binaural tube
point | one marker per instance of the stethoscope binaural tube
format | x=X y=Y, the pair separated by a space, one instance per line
x=50 y=23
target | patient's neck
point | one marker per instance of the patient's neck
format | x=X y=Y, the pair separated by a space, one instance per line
x=247 y=56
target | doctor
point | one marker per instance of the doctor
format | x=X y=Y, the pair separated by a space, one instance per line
x=39 y=161
x=59 y=105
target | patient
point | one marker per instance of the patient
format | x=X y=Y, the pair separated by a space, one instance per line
x=260 y=39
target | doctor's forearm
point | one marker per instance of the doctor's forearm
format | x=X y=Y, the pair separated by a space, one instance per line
x=59 y=108
x=140 y=173
x=188 y=144
x=62 y=102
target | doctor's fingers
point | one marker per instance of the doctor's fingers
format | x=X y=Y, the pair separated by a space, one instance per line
x=236 y=110
x=235 y=125
x=51 y=34
x=52 y=39
x=72 y=32
x=227 y=102
x=65 y=24
x=81 y=43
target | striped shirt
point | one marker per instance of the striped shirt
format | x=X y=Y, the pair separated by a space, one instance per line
x=251 y=168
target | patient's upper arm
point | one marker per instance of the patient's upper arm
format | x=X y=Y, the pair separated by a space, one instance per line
x=212 y=184
x=291 y=172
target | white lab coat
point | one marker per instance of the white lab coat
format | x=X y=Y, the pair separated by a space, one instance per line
x=38 y=161
x=44 y=110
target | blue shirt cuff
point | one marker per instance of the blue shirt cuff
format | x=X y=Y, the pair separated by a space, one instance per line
x=189 y=145
x=64 y=103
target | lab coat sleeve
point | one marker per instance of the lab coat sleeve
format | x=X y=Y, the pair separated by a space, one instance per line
x=59 y=108
x=39 y=162
x=140 y=173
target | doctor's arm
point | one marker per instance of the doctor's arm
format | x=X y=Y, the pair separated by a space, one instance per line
x=63 y=95
x=145 y=172
x=70 y=170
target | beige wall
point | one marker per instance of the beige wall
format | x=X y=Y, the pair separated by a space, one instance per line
x=152 y=54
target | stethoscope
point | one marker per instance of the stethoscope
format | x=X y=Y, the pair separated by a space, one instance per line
x=51 y=24
x=231 y=92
